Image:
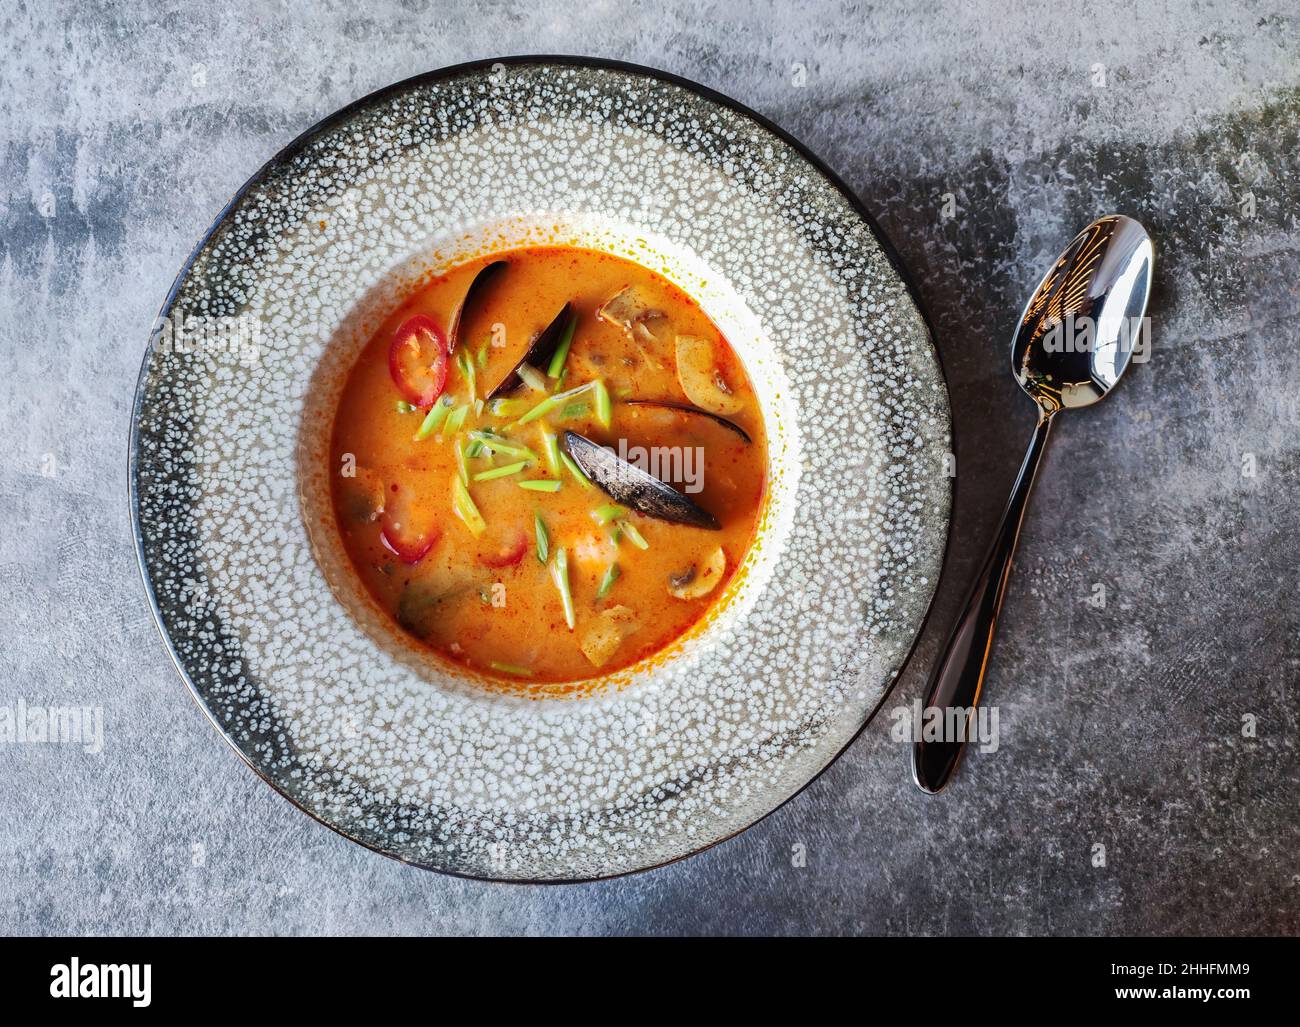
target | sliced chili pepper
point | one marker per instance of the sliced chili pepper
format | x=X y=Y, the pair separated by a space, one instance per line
x=408 y=549
x=406 y=530
x=508 y=555
x=417 y=360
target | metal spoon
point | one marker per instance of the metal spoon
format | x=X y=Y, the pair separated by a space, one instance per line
x=1075 y=338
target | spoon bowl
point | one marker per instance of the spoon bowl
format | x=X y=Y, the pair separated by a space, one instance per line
x=1084 y=322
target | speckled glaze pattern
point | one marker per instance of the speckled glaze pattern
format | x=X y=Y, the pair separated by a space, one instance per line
x=396 y=752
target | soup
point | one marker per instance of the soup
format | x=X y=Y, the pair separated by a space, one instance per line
x=547 y=465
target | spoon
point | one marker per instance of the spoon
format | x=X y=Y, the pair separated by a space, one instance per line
x=1074 y=341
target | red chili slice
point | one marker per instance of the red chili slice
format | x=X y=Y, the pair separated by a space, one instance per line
x=407 y=548
x=417 y=360
x=507 y=556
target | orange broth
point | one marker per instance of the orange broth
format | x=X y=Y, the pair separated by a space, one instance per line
x=478 y=593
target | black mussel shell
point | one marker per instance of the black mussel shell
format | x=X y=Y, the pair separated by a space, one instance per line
x=482 y=280
x=539 y=353
x=632 y=487
x=686 y=408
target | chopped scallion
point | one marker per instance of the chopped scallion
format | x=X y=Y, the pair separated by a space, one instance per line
x=634 y=536
x=604 y=409
x=551 y=447
x=455 y=420
x=541 y=485
x=543 y=538
x=607 y=582
x=551 y=402
x=608 y=512
x=575 y=470
x=531 y=377
x=572 y=410
x=433 y=419
x=507 y=407
x=463 y=505
x=498 y=444
x=501 y=472
x=511 y=668
x=461 y=467
x=467 y=369
x=560 y=575
x=562 y=350
x=542 y=408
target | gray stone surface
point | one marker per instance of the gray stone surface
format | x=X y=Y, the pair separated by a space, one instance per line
x=124 y=130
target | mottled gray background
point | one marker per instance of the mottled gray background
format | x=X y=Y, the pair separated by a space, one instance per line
x=124 y=130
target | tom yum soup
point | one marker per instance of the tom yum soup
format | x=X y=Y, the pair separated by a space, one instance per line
x=548 y=464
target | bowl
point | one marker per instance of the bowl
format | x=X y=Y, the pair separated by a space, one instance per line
x=307 y=679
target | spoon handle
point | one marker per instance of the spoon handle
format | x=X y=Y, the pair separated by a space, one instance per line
x=959 y=674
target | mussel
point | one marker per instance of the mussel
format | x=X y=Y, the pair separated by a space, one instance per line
x=684 y=408
x=634 y=488
x=540 y=352
x=476 y=288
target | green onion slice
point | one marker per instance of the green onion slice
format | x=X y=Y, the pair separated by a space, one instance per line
x=575 y=470
x=455 y=421
x=560 y=575
x=433 y=420
x=562 y=350
x=551 y=447
x=508 y=407
x=499 y=444
x=466 y=363
x=543 y=538
x=609 y=512
x=461 y=467
x=501 y=472
x=607 y=582
x=463 y=505
x=531 y=377
x=551 y=402
x=511 y=668
x=604 y=409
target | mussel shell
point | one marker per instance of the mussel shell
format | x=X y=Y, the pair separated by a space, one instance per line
x=632 y=487
x=481 y=280
x=686 y=408
x=539 y=353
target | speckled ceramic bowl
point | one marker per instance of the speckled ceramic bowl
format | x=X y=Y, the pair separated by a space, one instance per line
x=243 y=564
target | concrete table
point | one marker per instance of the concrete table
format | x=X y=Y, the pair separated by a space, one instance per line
x=1146 y=676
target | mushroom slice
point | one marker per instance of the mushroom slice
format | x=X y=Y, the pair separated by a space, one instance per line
x=700 y=379
x=699 y=580
x=601 y=640
x=630 y=309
